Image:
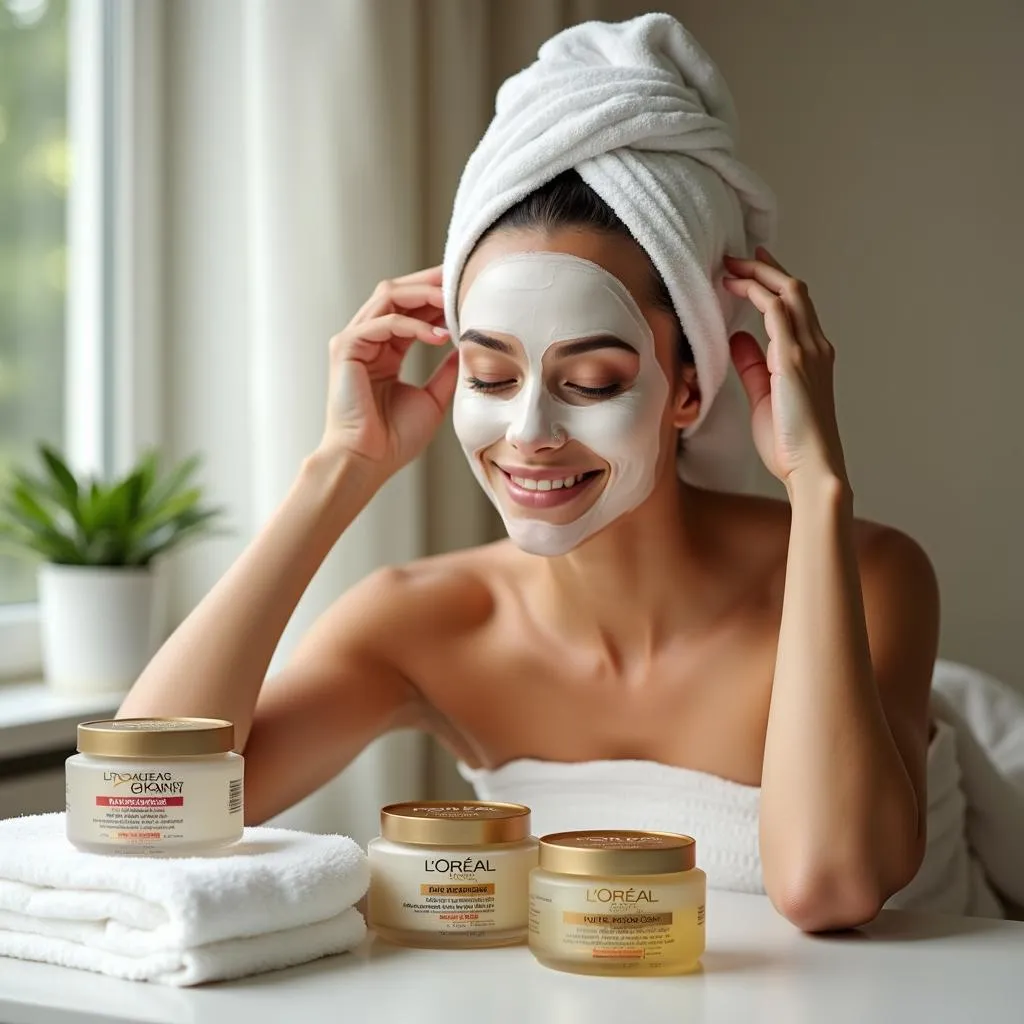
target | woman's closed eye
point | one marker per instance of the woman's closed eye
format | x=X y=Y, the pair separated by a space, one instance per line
x=595 y=376
x=571 y=387
x=590 y=391
x=481 y=384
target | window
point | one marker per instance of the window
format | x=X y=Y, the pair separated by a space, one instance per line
x=79 y=250
x=34 y=173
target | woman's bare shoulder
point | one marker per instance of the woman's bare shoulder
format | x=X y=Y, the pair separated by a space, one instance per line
x=438 y=595
x=764 y=523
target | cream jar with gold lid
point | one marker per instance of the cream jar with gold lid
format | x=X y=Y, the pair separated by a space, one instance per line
x=617 y=902
x=451 y=874
x=154 y=786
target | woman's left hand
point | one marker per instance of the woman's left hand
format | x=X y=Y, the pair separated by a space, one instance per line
x=792 y=401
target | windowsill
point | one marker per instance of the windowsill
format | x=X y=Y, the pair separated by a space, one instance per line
x=34 y=718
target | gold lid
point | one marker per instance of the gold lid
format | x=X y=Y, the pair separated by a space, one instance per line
x=455 y=823
x=617 y=852
x=156 y=737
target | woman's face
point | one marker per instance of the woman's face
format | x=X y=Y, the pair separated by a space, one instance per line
x=566 y=374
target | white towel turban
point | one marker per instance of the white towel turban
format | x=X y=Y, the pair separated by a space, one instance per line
x=639 y=110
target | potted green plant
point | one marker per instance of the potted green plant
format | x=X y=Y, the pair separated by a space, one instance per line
x=98 y=542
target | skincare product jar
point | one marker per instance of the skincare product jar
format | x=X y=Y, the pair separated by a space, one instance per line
x=451 y=875
x=148 y=786
x=617 y=902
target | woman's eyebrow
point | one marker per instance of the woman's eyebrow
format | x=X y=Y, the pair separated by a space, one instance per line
x=584 y=345
x=563 y=351
x=487 y=341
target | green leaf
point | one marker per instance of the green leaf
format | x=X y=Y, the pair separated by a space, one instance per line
x=106 y=509
x=127 y=521
x=30 y=507
x=136 y=488
x=164 y=489
x=63 y=476
x=90 y=505
x=170 y=509
x=120 y=503
x=47 y=541
x=148 y=468
x=45 y=493
x=108 y=547
x=40 y=487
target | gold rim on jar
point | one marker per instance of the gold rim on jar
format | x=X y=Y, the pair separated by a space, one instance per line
x=455 y=823
x=613 y=852
x=156 y=737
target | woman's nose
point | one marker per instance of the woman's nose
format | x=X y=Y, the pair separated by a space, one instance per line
x=533 y=428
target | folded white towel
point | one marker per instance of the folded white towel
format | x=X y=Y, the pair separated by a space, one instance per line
x=274 y=899
x=233 y=958
x=640 y=111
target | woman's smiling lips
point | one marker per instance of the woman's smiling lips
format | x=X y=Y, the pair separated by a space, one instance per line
x=546 y=488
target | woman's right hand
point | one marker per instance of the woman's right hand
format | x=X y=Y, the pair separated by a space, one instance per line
x=371 y=413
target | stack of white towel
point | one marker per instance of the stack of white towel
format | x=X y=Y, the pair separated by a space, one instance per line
x=275 y=899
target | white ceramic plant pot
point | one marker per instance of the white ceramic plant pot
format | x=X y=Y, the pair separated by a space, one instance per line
x=99 y=626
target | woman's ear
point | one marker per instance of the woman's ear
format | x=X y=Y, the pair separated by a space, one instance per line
x=686 y=404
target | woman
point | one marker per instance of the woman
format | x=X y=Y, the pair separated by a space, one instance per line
x=780 y=645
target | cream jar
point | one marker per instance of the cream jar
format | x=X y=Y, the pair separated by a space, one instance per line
x=451 y=875
x=150 y=786
x=616 y=902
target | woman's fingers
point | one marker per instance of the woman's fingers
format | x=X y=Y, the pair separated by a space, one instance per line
x=767 y=271
x=763 y=254
x=808 y=314
x=367 y=341
x=432 y=275
x=397 y=325
x=442 y=382
x=771 y=277
x=772 y=307
x=424 y=298
x=751 y=366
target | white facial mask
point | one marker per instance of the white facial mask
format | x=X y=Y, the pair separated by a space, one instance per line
x=542 y=299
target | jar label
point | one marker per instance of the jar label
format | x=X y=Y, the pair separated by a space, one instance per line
x=450 y=894
x=147 y=810
x=565 y=924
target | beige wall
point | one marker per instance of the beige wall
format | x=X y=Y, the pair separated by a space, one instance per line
x=892 y=133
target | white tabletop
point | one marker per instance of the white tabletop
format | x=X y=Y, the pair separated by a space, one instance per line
x=906 y=967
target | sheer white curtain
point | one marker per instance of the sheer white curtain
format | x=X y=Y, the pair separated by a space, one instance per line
x=332 y=143
x=314 y=147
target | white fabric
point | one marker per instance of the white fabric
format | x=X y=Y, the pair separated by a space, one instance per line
x=639 y=110
x=951 y=879
x=295 y=178
x=988 y=718
x=274 y=899
x=233 y=958
x=567 y=796
x=975 y=802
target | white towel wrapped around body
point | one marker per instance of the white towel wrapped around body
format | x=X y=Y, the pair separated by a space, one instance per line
x=640 y=111
x=987 y=717
x=275 y=899
x=975 y=803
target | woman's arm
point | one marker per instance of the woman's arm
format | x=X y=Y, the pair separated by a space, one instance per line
x=214 y=664
x=843 y=802
x=342 y=688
